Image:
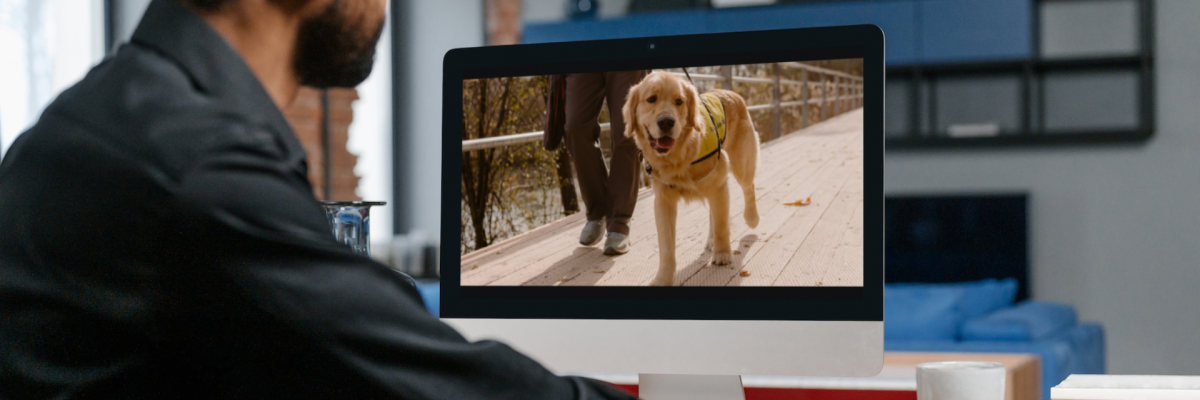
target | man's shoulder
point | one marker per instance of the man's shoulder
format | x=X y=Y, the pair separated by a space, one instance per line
x=145 y=105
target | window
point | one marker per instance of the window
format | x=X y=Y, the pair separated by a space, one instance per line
x=48 y=45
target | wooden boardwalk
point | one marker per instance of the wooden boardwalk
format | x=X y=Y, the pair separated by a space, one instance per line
x=815 y=245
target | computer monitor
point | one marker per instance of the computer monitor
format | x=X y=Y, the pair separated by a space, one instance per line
x=797 y=290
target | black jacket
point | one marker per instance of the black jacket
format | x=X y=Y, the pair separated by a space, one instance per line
x=159 y=239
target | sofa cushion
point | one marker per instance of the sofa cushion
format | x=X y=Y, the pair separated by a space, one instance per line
x=982 y=297
x=1025 y=322
x=979 y=297
x=431 y=294
x=921 y=312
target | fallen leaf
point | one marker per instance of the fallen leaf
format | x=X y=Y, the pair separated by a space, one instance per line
x=746 y=245
x=475 y=267
x=564 y=279
x=804 y=202
x=737 y=252
x=745 y=273
x=599 y=272
x=498 y=252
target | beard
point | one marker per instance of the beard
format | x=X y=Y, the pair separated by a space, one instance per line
x=333 y=51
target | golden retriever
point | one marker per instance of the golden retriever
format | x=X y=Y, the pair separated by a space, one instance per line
x=665 y=115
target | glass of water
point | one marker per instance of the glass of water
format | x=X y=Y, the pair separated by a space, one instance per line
x=351 y=223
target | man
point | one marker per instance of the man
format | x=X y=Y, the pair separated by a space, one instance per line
x=609 y=194
x=159 y=238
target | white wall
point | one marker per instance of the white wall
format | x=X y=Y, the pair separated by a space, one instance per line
x=370 y=139
x=125 y=19
x=47 y=46
x=1114 y=230
x=431 y=28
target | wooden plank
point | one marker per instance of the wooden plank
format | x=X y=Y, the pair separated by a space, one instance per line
x=782 y=231
x=786 y=243
x=827 y=235
x=519 y=241
x=772 y=215
x=844 y=268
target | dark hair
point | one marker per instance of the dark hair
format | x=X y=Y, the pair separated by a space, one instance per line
x=206 y=5
x=214 y=5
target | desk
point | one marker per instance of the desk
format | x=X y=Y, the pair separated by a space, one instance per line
x=896 y=381
x=1123 y=387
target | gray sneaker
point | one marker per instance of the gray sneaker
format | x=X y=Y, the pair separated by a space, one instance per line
x=592 y=232
x=618 y=243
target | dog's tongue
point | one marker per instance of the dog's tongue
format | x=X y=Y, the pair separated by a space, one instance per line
x=665 y=142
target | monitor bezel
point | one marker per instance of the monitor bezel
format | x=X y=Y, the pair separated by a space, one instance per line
x=668 y=303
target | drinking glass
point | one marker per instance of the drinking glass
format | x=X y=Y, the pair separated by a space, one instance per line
x=351 y=223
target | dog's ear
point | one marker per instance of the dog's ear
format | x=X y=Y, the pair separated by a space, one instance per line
x=629 y=110
x=694 y=118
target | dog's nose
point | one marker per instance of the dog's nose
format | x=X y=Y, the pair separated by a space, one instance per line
x=666 y=123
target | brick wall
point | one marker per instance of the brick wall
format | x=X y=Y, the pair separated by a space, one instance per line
x=305 y=117
x=503 y=21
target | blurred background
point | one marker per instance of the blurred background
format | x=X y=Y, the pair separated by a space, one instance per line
x=1086 y=111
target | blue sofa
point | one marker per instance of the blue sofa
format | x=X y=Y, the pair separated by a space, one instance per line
x=981 y=317
x=971 y=317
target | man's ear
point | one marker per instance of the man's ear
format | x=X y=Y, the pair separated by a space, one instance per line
x=629 y=110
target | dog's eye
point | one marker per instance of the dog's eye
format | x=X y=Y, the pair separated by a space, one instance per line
x=652 y=99
x=679 y=102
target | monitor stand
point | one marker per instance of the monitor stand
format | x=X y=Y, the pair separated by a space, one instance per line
x=690 y=387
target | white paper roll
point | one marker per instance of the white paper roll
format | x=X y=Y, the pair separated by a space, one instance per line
x=960 y=380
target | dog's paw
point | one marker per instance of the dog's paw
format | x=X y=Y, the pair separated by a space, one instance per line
x=708 y=245
x=661 y=281
x=722 y=258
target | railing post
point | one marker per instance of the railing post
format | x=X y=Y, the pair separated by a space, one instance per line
x=777 y=95
x=824 y=96
x=858 y=90
x=843 y=89
x=803 y=98
x=854 y=91
x=727 y=72
x=837 y=95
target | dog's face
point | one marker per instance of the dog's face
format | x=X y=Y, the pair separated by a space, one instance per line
x=660 y=114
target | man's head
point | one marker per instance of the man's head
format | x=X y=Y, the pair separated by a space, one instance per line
x=335 y=43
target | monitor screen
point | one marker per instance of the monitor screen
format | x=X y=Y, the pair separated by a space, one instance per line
x=607 y=187
x=673 y=172
x=783 y=168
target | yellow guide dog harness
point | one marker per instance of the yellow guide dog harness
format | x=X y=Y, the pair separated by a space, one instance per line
x=714 y=130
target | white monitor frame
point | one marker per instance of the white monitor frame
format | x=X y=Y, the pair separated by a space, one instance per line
x=785 y=333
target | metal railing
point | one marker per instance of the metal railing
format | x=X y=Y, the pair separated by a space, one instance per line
x=847 y=95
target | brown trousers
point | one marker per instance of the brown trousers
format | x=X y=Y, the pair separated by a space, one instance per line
x=610 y=194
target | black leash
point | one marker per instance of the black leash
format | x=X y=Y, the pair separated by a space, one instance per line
x=720 y=140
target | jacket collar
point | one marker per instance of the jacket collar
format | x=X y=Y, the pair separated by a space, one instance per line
x=216 y=69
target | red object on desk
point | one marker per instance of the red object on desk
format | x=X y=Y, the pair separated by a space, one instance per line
x=810 y=394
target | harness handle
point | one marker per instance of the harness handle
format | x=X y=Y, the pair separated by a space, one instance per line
x=720 y=140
